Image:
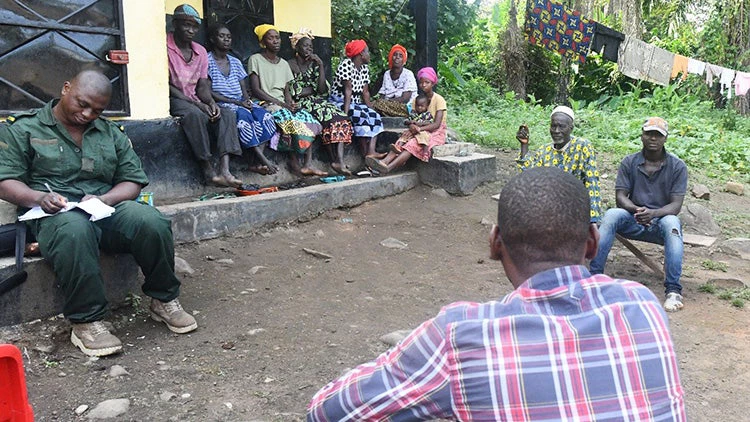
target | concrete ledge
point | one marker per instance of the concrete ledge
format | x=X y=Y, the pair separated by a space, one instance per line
x=458 y=175
x=205 y=220
x=40 y=296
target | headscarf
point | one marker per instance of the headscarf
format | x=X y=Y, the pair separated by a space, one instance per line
x=303 y=33
x=429 y=74
x=564 y=110
x=354 y=47
x=186 y=12
x=394 y=49
x=261 y=30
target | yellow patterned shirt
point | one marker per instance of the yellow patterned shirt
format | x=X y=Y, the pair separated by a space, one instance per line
x=577 y=157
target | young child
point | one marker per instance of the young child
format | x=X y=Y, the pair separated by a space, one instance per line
x=420 y=116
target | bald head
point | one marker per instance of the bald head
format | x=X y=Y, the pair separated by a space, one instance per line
x=83 y=99
x=93 y=82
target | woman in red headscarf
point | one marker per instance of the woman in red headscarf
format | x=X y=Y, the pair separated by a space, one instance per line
x=399 y=86
x=350 y=92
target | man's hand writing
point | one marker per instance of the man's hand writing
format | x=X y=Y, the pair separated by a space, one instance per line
x=52 y=202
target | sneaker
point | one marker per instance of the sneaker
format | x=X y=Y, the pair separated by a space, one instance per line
x=172 y=314
x=94 y=339
x=673 y=302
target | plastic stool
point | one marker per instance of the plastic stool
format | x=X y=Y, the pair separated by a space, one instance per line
x=14 y=402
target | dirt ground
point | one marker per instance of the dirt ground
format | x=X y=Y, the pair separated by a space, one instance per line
x=276 y=323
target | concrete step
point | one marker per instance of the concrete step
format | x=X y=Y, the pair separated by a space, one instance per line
x=458 y=175
x=40 y=296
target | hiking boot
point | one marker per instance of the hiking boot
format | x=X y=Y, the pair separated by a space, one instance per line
x=172 y=314
x=94 y=339
x=673 y=302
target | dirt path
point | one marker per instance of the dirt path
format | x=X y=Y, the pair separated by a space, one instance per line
x=276 y=323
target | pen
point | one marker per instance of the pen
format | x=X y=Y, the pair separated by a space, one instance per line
x=49 y=188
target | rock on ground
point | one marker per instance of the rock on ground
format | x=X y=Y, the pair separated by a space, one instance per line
x=738 y=246
x=393 y=338
x=182 y=266
x=701 y=191
x=699 y=219
x=393 y=243
x=735 y=188
x=110 y=409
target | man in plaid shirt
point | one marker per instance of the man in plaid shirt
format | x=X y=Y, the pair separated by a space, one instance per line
x=564 y=345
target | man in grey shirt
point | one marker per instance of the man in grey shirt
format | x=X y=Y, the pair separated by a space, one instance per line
x=650 y=188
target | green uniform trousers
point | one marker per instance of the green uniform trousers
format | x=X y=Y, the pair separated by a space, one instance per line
x=71 y=243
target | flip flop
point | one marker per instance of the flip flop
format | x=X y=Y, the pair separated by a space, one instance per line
x=376 y=164
x=331 y=179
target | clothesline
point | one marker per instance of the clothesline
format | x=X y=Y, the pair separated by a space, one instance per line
x=566 y=32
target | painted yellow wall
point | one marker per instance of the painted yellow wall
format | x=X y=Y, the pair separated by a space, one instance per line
x=291 y=15
x=148 y=77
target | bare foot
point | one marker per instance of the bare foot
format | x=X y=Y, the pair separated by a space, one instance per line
x=219 y=181
x=307 y=171
x=341 y=169
x=232 y=181
x=260 y=169
x=377 y=155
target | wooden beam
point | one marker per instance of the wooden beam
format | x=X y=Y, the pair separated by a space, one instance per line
x=656 y=268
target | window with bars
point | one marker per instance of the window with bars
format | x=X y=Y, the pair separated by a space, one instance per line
x=44 y=43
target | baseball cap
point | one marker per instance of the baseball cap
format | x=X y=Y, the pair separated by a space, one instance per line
x=186 y=11
x=656 y=123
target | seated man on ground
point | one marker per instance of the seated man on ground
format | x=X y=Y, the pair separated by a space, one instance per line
x=649 y=191
x=190 y=98
x=565 y=345
x=569 y=153
x=64 y=152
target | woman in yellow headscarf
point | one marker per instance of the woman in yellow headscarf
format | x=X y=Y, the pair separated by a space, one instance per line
x=399 y=86
x=269 y=79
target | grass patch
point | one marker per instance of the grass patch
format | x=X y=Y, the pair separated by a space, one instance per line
x=735 y=297
x=712 y=265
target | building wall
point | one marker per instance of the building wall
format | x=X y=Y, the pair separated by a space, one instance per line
x=291 y=15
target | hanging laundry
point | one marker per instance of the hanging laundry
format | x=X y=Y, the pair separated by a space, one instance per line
x=680 y=65
x=712 y=71
x=564 y=31
x=641 y=60
x=741 y=83
x=727 y=77
x=661 y=66
x=608 y=39
x=696 y=67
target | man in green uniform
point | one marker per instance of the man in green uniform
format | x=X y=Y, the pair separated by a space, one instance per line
x=64 y=152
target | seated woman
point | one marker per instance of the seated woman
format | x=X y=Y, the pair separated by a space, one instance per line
x=350 y=92
x=399 y=87
x=229 y=88
x=408 y=144
x=269 y=80
x=309 y=90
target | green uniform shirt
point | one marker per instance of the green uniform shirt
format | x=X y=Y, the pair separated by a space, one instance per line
x=36 y=149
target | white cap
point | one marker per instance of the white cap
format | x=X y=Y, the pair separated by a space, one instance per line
x=564 y=110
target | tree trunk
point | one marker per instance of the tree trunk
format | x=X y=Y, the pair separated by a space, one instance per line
x=563 y=81
x=513 y=54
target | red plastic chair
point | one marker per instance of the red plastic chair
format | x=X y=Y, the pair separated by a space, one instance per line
x=14 y=402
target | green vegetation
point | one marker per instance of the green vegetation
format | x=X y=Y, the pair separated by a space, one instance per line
x=705 y=129
x=736 y=297
x=714 y=265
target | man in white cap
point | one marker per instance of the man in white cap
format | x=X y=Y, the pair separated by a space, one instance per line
x=650 y=188
x=569 y=153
